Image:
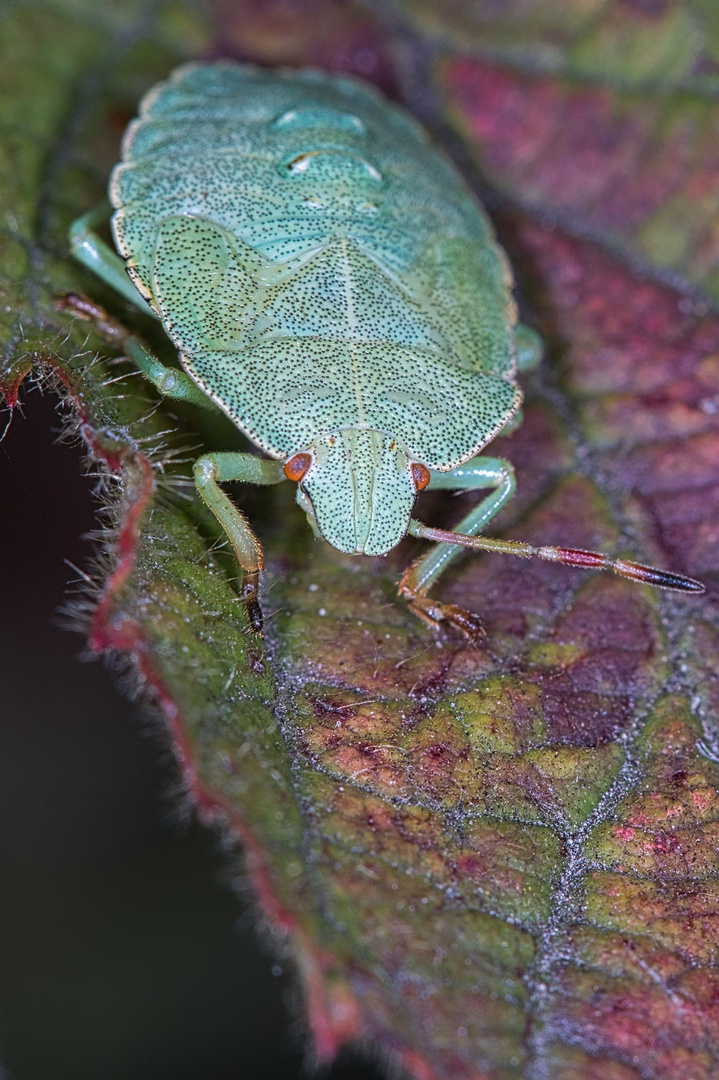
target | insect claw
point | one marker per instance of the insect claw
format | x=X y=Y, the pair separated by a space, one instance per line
x=466 y=622
x=434 y=612
x=255 y=662
x=249 y=591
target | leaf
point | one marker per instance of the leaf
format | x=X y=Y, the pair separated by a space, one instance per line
x=601 y=115
x=488 y=862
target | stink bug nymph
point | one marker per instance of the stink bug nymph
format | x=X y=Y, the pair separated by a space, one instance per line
x=333 y=287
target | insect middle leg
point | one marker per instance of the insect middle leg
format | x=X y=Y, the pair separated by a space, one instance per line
x=168 y=381
x=213 y=469
x=479 y=472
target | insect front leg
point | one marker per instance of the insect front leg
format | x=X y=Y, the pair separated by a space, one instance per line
x=479 y=472
x=497 y=473
x=211 y=470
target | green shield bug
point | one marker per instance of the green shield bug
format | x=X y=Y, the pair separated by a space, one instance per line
x=333 y=287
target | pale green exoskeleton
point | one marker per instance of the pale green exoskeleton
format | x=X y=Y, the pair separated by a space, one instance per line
x=334 y=288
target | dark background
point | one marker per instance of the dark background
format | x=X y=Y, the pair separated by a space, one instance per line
x=123 y=951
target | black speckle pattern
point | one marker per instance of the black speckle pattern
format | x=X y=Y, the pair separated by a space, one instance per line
x=319 y=266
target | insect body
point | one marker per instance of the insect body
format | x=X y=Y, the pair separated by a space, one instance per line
x=332 y=286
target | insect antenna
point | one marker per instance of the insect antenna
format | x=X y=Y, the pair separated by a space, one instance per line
x=585 y=560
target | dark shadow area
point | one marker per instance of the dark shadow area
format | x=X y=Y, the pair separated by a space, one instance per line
x=123 y=952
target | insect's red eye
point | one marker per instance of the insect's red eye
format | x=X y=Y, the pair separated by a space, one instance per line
x=420 y=476
x=297 y=466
